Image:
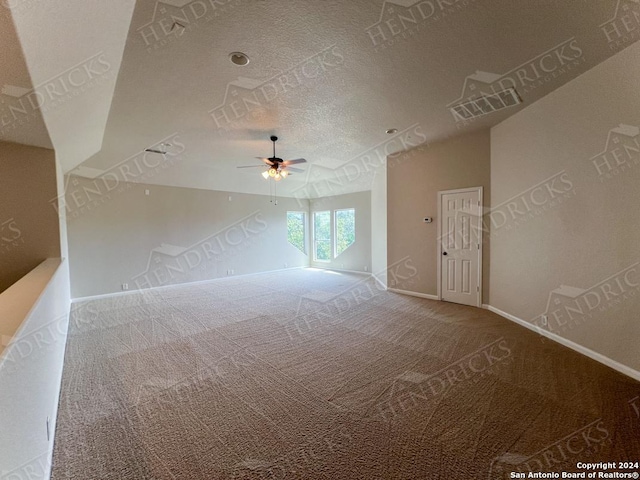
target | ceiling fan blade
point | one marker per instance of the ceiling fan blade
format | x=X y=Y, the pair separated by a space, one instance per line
x=251 y=166
x=265 y=160
x=293 y=162
x=293 y=169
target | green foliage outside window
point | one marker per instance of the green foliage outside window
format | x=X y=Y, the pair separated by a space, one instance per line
x=295 y=230
x=345 y=229
x=322 y=235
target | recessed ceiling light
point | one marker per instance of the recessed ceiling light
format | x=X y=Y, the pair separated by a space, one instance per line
x=239 y=58
x=391 y=131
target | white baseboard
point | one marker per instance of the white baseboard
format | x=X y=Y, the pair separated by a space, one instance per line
x=598 y=357
x=342 y=270
x=379 y=282
x=197 y=282
x=414 y=294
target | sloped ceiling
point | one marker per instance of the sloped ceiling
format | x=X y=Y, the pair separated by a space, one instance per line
x=20 y=119
x=73 y=50
x=328 y=77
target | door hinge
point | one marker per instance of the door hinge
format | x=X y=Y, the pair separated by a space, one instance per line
x=477 y=289
x=478 y=246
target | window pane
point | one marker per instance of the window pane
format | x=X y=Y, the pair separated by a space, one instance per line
x=345 y=229
x=295 y=230
x=322 y=235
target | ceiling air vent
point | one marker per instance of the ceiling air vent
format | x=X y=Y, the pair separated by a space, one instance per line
x=486 y=104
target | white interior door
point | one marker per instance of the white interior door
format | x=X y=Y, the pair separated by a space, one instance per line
x=460 y=246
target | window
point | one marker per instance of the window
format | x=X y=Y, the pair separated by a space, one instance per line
x=333 y=232
x=296 y=223
x=322 y=236
x=345 y=229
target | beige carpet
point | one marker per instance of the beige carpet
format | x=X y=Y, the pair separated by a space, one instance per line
x=314 y=375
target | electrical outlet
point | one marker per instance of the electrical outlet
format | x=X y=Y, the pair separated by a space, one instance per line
x=366 y=268
x=125 y=286
x=146 y=192
x=544 y=320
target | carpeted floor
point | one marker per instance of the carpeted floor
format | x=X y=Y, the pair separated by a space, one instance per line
x=315 y=375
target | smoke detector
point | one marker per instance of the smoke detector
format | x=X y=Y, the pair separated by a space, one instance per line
x=239 y=58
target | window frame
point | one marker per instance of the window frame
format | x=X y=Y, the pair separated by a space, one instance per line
x=315 y=239
x=333 y=233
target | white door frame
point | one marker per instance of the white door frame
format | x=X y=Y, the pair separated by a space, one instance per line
x=479 y=229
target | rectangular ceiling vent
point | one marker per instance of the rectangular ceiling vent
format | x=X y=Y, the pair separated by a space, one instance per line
x=486 y=104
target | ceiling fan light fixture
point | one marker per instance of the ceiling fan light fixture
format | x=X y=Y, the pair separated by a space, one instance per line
x=265 y=174
x=272 y=172
x=284 y=174
x=277 y=177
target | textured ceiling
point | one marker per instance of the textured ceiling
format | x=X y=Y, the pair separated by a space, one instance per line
x=328 y=77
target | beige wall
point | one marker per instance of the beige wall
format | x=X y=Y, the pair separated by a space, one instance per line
x=379 y=225
x=358 y=256
x=583 y=230
x=413 y=182
x=29 y=224
x=173 y=235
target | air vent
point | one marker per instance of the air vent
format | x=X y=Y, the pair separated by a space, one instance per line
x=486 y=104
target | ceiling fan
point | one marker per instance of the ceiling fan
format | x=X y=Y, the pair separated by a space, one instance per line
x=277 y=168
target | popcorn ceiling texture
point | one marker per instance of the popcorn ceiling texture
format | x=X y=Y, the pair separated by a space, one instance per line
x=317 y=375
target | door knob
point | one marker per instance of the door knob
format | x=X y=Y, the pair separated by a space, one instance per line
x=444 y=253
